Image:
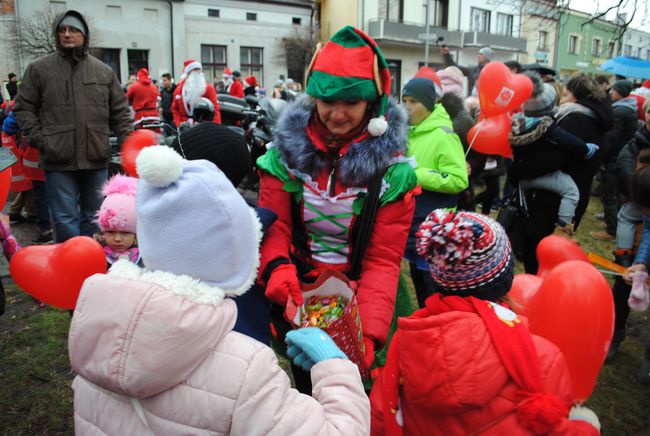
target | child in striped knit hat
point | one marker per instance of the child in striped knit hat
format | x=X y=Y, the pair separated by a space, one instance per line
x=466 y=363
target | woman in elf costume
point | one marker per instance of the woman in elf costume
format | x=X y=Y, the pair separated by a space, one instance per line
x=328 y=150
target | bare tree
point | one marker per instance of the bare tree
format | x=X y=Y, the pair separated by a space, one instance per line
x=298 y=49
x=35 y=35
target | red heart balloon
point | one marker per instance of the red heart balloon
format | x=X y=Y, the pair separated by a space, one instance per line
x=500 y=91
x=54 y=274
x=133 y=145
x=490 y=135
x=524 y=287
x=554 y=250
x=5 y=185
x=574 y=309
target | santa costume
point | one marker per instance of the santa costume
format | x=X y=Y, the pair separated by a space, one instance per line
x=143 y=97
x=193 y=86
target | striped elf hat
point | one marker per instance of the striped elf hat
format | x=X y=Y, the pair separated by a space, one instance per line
x=350 y=66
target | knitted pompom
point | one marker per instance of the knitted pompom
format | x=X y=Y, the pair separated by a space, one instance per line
x=542 y=413
x=159 y=165
x=377 y=126
x=120 y=184
x=443 y=239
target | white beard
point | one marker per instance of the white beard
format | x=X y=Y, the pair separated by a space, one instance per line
x=193 y=89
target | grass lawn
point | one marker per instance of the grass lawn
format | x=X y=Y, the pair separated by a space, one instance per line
x=36 y=397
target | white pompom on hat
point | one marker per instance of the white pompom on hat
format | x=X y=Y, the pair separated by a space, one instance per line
x=193 y=222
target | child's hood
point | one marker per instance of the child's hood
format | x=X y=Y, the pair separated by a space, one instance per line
x=134 y=337
x=535 y=134
x=448 y=363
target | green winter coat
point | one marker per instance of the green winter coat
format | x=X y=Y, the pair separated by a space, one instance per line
x=439 y=154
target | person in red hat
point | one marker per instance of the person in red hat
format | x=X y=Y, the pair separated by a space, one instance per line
x=466 y=363
x=143 y=97
x=250 y=85
x=189 y=92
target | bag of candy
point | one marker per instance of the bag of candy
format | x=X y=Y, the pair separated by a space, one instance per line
x=330 y=303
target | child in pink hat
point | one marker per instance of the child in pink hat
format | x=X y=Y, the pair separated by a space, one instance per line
x=117 y=219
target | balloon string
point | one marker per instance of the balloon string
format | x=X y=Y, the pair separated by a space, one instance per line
x=478 y=129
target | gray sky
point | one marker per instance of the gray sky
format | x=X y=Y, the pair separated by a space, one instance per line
x=641 y=18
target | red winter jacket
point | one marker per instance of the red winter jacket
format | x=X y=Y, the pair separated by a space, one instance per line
x=237 y=89
x=455 y=384
x=178 y=108
x=143 y=96
x=381 y=265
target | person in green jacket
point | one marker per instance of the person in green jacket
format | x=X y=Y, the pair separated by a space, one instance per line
x=440 y=168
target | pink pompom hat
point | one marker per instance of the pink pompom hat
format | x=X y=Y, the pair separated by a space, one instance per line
x=117 y=212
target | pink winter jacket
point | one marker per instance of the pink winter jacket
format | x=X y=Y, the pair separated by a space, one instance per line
x=151 y=359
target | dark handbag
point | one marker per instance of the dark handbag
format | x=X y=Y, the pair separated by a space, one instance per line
x=512 y=217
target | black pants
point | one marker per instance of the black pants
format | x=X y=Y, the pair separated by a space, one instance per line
x=301 y=377
x=609 y=195
x=491 y=193
x=422 y=282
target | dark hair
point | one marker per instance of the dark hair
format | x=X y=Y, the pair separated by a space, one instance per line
x=582 y=86
x=11 y=76
x=167 y=76
x=452 y=103
x=600 y=79
x=641 y=187
x=513 y=65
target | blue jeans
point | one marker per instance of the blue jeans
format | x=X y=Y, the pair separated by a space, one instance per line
x=628 y=217
x=74 y=197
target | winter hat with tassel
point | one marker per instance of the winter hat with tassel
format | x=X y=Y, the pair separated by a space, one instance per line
x=350 y=67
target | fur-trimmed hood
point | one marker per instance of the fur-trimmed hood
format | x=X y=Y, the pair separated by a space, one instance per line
x=362 y=159
x=138 y=333
x=533 y=135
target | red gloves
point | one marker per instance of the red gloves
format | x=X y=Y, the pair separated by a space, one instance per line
x=283 y=284
x=369 y=356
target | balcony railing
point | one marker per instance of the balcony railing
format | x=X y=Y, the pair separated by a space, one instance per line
x=410 y=32
x=504 y=42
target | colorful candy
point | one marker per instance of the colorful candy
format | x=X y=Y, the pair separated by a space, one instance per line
x=323 y=311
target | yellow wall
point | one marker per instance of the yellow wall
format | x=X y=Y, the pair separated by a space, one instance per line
x=530 y=27
x=335 y=14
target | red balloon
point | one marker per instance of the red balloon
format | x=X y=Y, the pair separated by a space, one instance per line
x=500 y=91
x=553 y=250
x=132 y=146
x=54 y=274
x=574 y=309
x=5 y=185
x=490 y=135
x=524 y=287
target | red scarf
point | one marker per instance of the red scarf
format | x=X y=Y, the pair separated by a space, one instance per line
x=326 y=141
x=511 y=340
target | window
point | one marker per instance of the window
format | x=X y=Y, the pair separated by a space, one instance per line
x=296 y=20
x=250 y=16
x=627 y=50
x=213 y=59
x=110 y=56
x=137 y=59
x=573 y=44
x=504 y=24
x=596 y=46
x=440 y=11
x=647 y=55
x=213 y=13
x=251 y=60
x=542 y=40
x=611 y=47
x=150 y=14
x=480 y=20
x=638 y=52
x=113 y=11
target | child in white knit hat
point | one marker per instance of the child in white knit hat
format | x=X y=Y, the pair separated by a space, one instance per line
x=154 y=348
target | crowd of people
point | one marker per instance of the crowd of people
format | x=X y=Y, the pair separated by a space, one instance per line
x=200 y=284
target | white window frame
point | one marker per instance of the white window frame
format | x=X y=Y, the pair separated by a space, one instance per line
x=509 y=23
x=577 y=45
x=543 y=46
x=485 y=27
x=596 y=49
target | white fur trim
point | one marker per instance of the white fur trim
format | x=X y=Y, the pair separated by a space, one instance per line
x=252 y=274
x=581 y=413
x=377 y=126
x=192 y=66
x=159 y=165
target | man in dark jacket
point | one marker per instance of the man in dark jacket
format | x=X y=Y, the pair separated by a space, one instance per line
x=166 y=99
x=67 y=106
x=12 y=86
x=485 y=55
x=625 y=124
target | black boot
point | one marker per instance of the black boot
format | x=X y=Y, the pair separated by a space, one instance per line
x=617 y=338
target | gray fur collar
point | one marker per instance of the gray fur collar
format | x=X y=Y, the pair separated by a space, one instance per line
x=538 y=131
x=362 y=159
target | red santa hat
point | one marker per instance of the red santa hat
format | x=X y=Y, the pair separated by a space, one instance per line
x=227 y=72
x=190 y=65
x=142 y=74
x=251 y=80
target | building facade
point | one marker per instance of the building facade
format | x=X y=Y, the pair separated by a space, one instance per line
x=161 y=35
x=636 y=43
x=539 y=21
x=583 y=46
